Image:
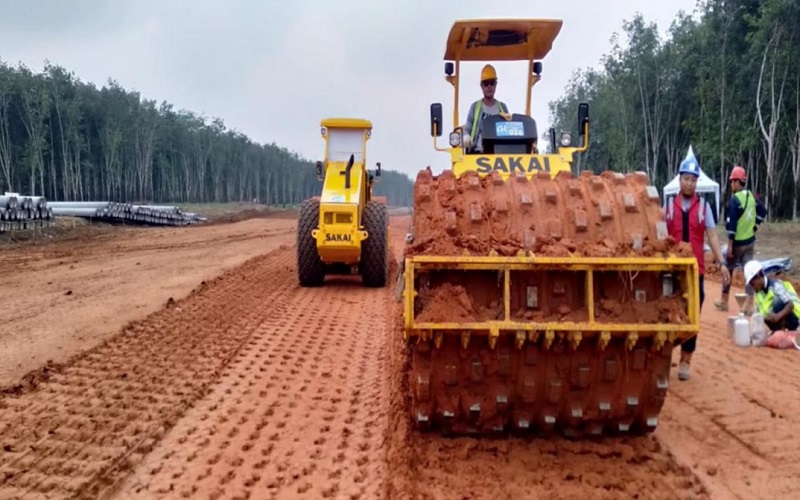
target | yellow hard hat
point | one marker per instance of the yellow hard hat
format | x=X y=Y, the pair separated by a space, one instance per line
x=488 y=73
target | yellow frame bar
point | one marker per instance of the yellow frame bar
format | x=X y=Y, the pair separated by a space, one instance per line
x=686 y=267
x=477 y=262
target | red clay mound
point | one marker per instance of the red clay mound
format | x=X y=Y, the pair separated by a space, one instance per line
x=607 y=215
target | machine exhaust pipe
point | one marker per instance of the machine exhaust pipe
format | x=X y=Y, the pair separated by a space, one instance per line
x=347 y=171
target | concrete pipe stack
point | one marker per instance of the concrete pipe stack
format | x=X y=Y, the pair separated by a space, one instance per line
x=109 y=211
x=24 y=212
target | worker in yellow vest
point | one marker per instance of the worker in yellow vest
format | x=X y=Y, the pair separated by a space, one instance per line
x=482 y=108
x=777 y=302
x=744 y=214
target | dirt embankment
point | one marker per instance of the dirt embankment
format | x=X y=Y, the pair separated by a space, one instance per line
x=109 y=406
x=275 y=388
x=67 y=296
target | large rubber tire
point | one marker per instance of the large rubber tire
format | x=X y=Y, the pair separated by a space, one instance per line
x=310 y=269
x=374 y=265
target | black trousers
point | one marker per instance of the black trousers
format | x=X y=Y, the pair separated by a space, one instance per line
x=691 y=344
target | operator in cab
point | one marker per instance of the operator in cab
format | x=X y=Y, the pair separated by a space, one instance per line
x=480 y=109
x=775 y=299
x=689 y=219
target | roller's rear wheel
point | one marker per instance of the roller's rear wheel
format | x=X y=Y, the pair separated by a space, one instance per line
x=374 y=265
x=310 y=269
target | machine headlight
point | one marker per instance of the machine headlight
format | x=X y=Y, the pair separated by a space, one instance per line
x=566 y=139
x=322 y=131
x=455 y=139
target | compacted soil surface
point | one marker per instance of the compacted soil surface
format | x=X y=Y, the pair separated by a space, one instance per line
x=188 y=363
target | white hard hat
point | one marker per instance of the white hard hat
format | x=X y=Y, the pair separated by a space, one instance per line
x=751 y=270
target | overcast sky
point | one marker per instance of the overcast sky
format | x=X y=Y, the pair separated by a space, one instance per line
x=274 y=69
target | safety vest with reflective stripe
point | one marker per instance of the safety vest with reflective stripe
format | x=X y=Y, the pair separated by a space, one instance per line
x=696 y=219
x=478 y=106
x=745 y=226
x=765 y=298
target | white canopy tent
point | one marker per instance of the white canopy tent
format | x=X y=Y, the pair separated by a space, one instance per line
x=705 y=185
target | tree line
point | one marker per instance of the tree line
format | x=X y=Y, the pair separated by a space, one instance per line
x=68 y=140
x=726 y=82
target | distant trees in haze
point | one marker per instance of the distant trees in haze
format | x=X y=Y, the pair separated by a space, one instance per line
x=69 y=140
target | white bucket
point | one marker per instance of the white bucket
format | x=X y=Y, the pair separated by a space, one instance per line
x=741 y=332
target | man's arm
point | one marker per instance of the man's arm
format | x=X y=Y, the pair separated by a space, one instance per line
x=468 y=123
x=713 y=242
x=782 y=294
x=780 y=315
x=761 y=211
x=466 y=136
x=732 y=218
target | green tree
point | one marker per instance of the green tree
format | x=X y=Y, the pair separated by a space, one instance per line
x=726 y=82
x=69 y=140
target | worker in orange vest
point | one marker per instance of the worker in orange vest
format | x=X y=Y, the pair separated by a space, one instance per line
x=743 y=215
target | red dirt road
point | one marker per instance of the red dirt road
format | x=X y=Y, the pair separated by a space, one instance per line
x=251 y=387
x=736 y=421
x=301 y=411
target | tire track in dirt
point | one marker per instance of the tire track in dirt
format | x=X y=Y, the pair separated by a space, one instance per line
x=108 y=407
x=300 y=413
x=742 y=403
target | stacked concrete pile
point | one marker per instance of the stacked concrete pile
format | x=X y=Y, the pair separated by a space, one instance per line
x=126 y=212
x=24 y=212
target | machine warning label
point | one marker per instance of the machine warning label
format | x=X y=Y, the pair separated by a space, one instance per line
x=337 y=237
x=511 y=164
